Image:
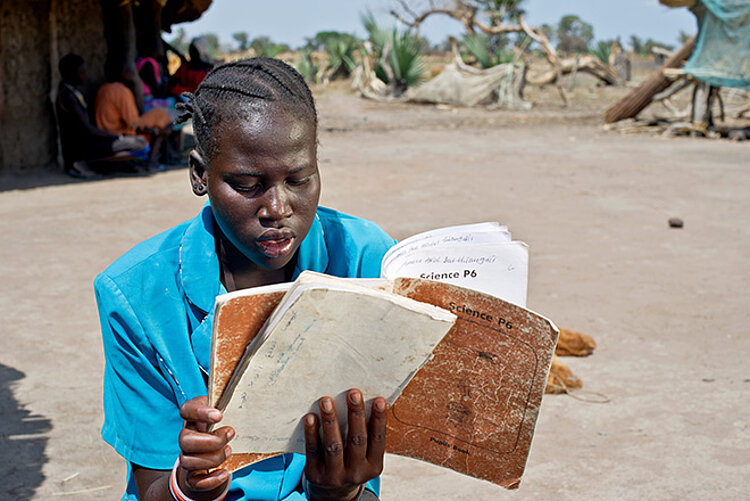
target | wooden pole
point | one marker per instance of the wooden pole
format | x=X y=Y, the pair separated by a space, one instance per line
x=639 y=98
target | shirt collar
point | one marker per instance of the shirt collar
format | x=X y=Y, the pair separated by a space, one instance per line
x=199 y=264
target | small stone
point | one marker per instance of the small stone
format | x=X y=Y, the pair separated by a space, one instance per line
x=737 y=135
x=675 y=222
x=708 y=380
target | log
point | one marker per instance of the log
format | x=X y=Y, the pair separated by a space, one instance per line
x=639 y=98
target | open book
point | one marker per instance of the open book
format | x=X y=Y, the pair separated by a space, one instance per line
x=463 y=371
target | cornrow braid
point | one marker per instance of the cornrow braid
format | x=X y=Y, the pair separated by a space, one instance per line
x=219 y=98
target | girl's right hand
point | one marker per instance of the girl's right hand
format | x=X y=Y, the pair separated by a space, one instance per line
x=201 y=450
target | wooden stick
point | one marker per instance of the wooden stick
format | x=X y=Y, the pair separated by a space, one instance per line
x=639 y=98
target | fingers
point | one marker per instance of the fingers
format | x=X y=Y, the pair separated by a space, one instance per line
x=376 y=434
x=313 y=452
x=196 y=442
x=333 y=445
x=198 y=415
x=206 y=460
x=202 y=450
x=333 y=462
x=202 y=481
x=356 y=439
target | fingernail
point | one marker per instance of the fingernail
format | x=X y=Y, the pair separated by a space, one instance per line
x=230 y=434
x=327 y=405
x=355 y=397
x=228 y=451
x=380 y=405
x=309 y=420
x=214 y=415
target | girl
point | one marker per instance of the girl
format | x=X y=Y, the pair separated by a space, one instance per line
x=256 y=159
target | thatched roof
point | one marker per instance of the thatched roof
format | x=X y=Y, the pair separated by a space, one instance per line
x=182 y=11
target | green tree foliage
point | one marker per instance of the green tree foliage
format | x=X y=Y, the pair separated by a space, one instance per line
x=651 y=43
x=636 y=44
x=574 y=34
x=264 y=46
x=404 y=57
x=242 y=39
x=498 y=11
x=213 y=45
x=550 y=32
x=323 y=39
x=644 y=48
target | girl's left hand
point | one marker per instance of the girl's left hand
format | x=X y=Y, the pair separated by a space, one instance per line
x=336 y=470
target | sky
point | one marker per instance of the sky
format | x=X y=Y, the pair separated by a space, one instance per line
x=290 y=21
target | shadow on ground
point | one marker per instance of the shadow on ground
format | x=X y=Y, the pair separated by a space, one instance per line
x=22 y=442
x=53 y=175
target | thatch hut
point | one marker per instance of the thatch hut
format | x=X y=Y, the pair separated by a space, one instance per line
x=35 y=34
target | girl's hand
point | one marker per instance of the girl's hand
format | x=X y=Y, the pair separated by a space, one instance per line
x=201 y=450
x=336 y=469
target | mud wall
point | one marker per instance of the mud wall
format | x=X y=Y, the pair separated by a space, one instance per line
x=34 y=35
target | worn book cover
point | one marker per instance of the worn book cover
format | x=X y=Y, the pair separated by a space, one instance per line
x=472 y=407
x=326 y=333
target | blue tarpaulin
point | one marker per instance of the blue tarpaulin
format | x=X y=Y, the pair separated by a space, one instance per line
x=722 y=50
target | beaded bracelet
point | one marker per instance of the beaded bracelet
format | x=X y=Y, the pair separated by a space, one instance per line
x=174 y=486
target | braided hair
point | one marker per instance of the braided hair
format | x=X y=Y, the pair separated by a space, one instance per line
x=219 y=99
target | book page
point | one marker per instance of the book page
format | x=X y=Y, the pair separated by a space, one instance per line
x=451 y=236
x=499 y=269
x=326 y=342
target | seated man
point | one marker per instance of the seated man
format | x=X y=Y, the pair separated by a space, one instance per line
x=117 y=113
x=82 y=142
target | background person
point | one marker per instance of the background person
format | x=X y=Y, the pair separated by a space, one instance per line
x=192 y=71
x=83 y=142
x=117 y=113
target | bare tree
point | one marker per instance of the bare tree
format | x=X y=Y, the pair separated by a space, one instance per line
x=495 y=17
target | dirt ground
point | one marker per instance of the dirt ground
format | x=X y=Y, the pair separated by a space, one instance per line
x=668 y=307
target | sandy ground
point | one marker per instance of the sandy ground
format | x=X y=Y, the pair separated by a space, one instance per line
x=668 y=307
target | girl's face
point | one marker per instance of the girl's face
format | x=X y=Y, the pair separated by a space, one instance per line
x=263 y=184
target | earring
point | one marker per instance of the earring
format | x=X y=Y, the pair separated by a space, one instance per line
x=199 y=188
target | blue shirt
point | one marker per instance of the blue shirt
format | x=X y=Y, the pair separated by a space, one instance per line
x=156 y=310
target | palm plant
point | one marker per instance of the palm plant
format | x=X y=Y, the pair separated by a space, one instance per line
x=341 y=53
x=485 y=51
x=398 y=55
x=307 y=67
x=602 y=50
